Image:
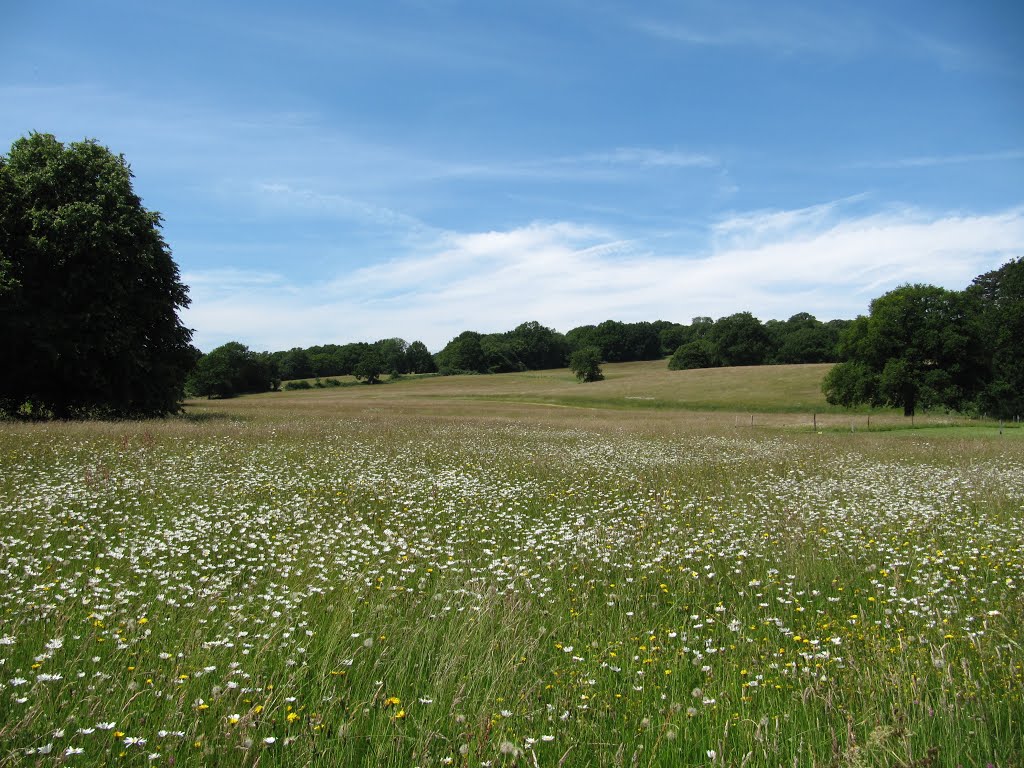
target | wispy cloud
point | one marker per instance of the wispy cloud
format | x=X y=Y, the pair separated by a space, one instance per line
x=779 y=28
x=645 y=157
x=927 y=161
x=773 y=263
x=607 y=164
x=326 y=204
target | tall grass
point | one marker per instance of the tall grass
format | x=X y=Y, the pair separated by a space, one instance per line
x=363 y=581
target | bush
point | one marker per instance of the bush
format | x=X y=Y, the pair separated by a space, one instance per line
x=302 y=384
x=696 y=354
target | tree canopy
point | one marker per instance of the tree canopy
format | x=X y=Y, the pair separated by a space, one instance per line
x=918 y=347
x=231 y=369
x=585 y=363
x=89 y=293
x=998 y=299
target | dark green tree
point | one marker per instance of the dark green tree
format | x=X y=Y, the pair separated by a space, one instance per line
x=89 y=293
x=618 y=342
x=296 y=363
x=918 y=347
x=463 y=354
x=672 y=337
x=229 y=370
x=500 y=354
x=418 y=358
x=585 y=363
x=370 y=366
x=802 y=339
x=997 y=299
x=325 y=360
x=696 y=354
x=582 y=336
x=537 y=347
x=392 y=354
x=740 y=339
x=849 y=384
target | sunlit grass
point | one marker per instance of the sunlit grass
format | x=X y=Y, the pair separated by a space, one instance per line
x=361 y=578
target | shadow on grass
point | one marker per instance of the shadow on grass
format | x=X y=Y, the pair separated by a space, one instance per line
x=205 y=417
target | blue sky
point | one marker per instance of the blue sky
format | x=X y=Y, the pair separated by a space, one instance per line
x=334 y=172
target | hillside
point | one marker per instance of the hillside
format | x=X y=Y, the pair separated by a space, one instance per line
x=647 y=384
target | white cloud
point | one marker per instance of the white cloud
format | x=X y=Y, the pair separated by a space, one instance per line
x=772 y=263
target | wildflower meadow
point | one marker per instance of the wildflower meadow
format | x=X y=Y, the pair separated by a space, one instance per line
x=345 y=580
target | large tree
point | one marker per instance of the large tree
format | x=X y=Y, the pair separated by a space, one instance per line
x=585 y=363
x=89 y=293
x=740 y=339
x=998 y=299
x=918 y=347
x=463 y=354
x=418 y=358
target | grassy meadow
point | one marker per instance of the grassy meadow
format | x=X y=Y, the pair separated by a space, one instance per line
x=515 y=570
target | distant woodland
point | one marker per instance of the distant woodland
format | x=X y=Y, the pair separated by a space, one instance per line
x=739 y=339
x=90 y=300
x=920 y=347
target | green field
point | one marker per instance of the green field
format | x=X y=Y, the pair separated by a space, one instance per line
x=661 y=569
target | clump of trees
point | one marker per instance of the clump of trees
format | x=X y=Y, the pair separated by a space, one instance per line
x=926 y=347
x=396 y=357
x=89 y=293
x=530 y=346
x=742 y=339
x=232 y=369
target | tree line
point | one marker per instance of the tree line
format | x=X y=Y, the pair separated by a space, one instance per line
x=739 y=339
x=90 y=300
x=233 y=369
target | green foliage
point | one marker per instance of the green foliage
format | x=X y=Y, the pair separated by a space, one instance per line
x=740 y=339
x=585 y=363
x=538 y=348
x=296 y=364
x=90 y=293
x=392 y=353
x=229 y=370
x=696 y=354
x=334 y=359
x=802 y=339
x=619 y=342
x=299 y=384
x=849 y=384
x=463 y=354
x=997 y=297
x=919 y=347
x=418 y=359
x=370 y=366
x=530 y=346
